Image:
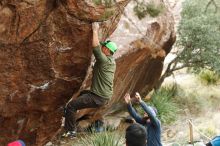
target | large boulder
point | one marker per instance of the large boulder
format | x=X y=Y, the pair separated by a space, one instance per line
x=45 y=59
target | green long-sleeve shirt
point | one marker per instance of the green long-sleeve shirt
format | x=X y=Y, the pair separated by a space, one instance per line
x=103 y=74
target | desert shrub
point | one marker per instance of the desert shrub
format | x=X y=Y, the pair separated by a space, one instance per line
x=142 y=9
x=208 y=76
x=166 y=106
x=101 y=139
x=154 y=10
x=97 y=2
x=107 y=3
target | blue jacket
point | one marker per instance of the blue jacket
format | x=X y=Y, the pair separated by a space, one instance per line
x=216 y=141
x=153 y=128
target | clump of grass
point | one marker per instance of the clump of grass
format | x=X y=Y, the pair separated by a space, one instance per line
x=97 y=2
x=209 y=77
x=107 y=3
x=142 y=9
x=101 y=139
x=166 y=106
x=154 y=10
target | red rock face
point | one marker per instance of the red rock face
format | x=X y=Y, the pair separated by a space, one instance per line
x=45 y=53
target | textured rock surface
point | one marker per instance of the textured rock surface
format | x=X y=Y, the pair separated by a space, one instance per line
x=45 y=56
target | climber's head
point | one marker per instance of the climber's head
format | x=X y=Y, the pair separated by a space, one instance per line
x=108 y=47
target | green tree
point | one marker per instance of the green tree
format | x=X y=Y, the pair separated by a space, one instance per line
x=198 y=38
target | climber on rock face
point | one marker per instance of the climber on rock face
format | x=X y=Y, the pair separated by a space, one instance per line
x=102 y=82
